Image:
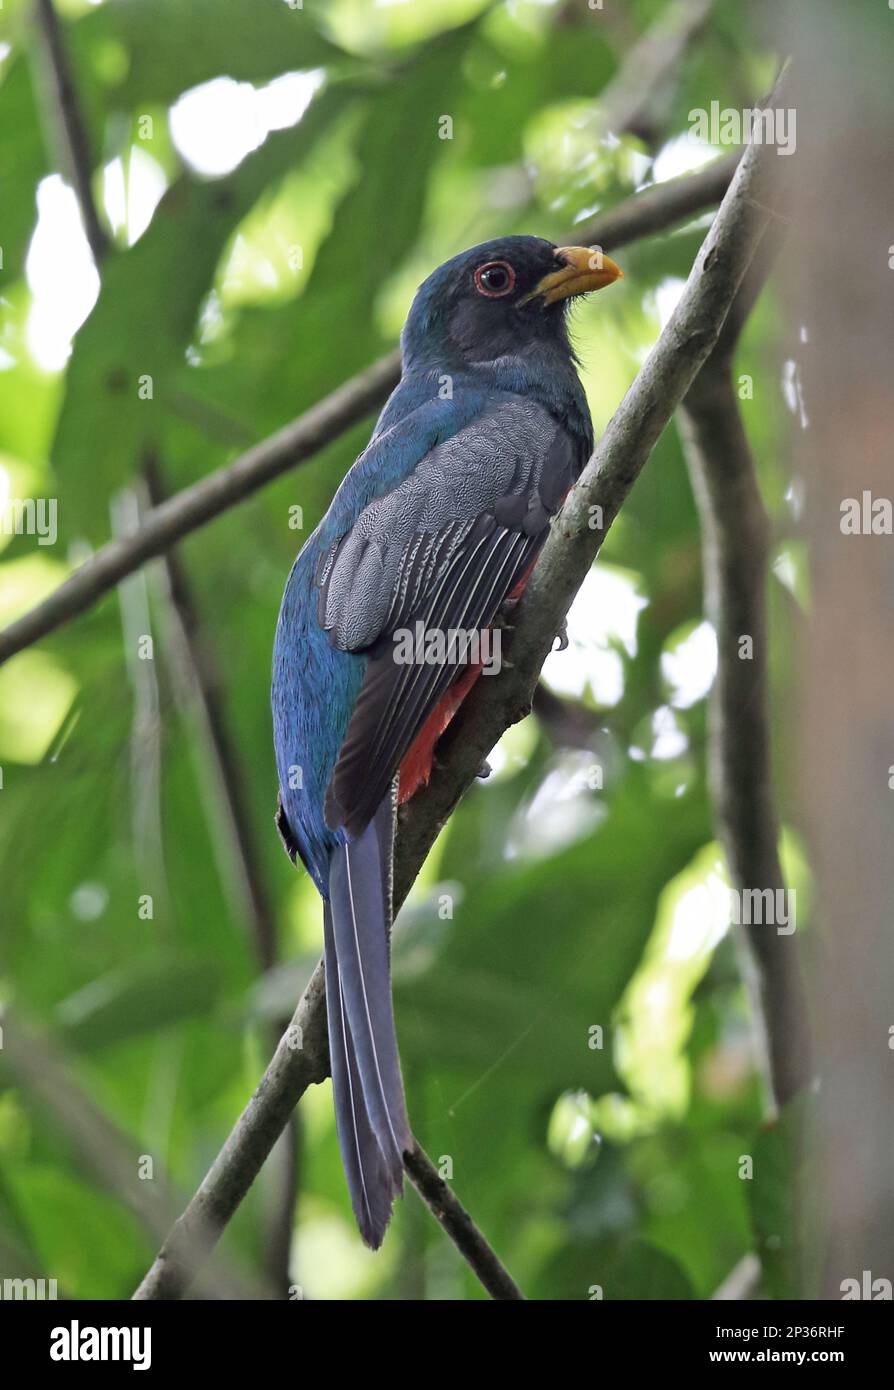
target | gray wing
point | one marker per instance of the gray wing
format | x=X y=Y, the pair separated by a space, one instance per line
x=445 y=548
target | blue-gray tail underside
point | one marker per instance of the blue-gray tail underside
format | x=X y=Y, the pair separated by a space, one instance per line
x=370 y=1110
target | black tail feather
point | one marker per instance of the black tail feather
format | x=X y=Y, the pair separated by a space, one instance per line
x=370 y=1108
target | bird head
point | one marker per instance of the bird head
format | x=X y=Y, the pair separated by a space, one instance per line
x=500 y=298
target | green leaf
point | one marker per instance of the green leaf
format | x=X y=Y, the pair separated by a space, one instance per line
x=145 y=51
x=85 y=1239
x=23 y=164
x=128 y=1002
x=612 y=1271
x=287 y=358
x=135 y=341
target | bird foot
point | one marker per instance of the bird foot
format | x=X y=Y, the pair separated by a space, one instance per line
x=484 y=770
x=562 y=637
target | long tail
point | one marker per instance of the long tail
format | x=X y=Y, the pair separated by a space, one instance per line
x=370 y=1110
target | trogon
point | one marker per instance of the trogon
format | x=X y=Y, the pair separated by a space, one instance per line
x=439 y=523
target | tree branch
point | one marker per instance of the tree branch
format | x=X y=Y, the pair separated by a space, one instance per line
x=643 y=214
x=108 y=1153
x=300 y=1059
x=659 y=206
x=447 y=1208
x=69 y=132
x=199 y=686
x=735 y=548
x=680 y=352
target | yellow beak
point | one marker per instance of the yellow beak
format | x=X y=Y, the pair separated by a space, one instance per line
x=585 y=269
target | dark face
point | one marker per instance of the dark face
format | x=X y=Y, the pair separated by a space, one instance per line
x=500 y=298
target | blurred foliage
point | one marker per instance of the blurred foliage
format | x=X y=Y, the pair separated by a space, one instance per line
x=575 y=1036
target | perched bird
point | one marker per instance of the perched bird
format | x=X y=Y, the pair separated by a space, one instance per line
x=438 y=522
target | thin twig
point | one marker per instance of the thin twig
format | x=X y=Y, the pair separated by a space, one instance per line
x=735 y=545
x=685 y=342
x=643 y=214
x=456 y=1221
x=69 y=130
x=199 y=684
x=659 y=206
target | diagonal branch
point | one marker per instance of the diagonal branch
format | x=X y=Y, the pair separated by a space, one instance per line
x=660 y=206
x=653 y=210
x=735 y=546
x=111 y=1155
x=69 y=132
x=447 y=1208
x=682 y=348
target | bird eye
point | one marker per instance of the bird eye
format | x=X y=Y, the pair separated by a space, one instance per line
x=495 y=279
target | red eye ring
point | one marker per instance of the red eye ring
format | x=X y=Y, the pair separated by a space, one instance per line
x=504 y=279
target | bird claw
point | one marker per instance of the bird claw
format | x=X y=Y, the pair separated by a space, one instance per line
x=484 y=770
x=562 y=636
